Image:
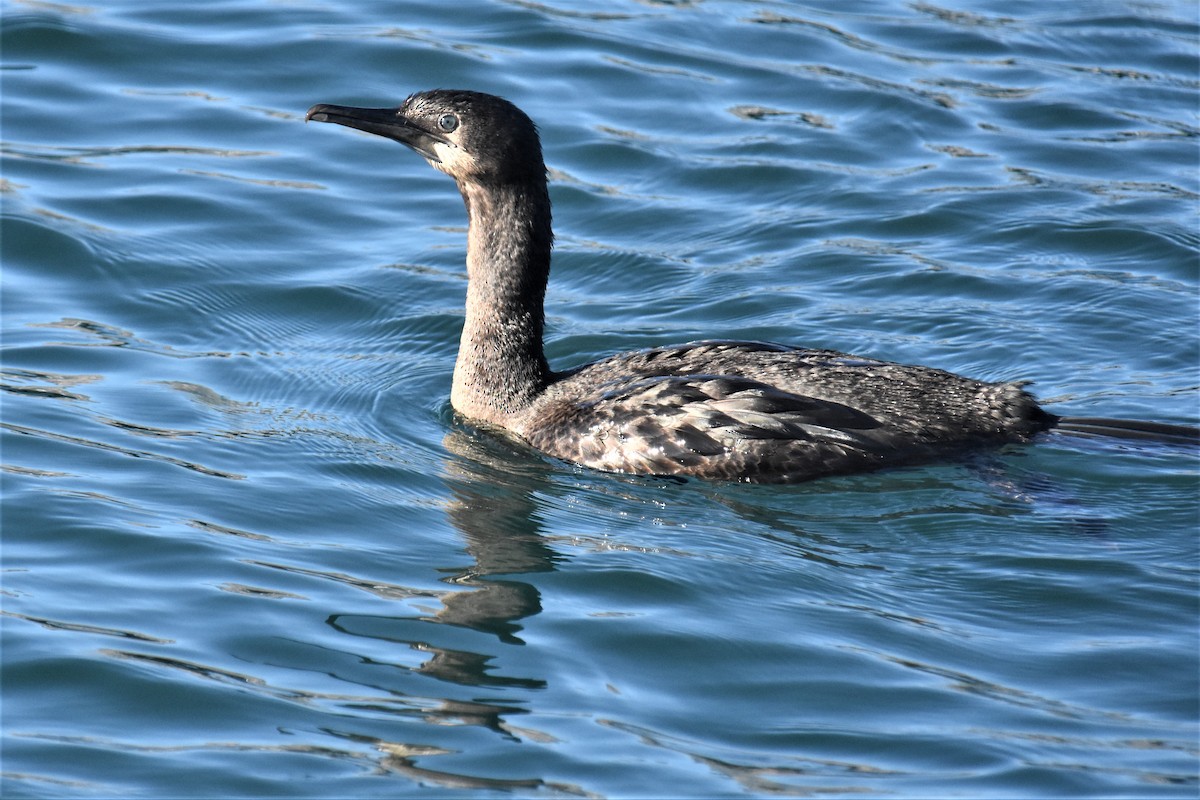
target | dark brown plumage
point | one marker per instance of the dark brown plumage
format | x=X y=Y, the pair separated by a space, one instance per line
x=746 y=411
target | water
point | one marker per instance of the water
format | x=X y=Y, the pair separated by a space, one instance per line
x=248 y=551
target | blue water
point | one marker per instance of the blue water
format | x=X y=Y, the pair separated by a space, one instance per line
x=249 y=551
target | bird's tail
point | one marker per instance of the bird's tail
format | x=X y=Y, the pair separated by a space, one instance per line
x=1130 y=429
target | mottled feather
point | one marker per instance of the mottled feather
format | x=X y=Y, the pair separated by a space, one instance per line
x=769 y=413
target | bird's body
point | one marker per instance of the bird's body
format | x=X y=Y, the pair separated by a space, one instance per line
x=747 y=411
x=767 y=413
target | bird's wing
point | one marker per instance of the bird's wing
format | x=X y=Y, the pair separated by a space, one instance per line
x=710 y=426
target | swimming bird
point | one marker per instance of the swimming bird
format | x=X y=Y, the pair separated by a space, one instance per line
x=730 y=410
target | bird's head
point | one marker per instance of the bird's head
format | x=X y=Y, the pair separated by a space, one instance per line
x=471 y=136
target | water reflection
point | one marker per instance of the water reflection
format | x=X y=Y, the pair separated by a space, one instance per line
x=493 y=507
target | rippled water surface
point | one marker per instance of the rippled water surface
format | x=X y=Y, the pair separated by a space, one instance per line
x=249 y=551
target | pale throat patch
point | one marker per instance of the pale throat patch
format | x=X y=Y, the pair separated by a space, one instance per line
x=454 y=160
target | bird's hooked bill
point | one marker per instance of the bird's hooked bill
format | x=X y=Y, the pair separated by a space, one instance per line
x=390 y=123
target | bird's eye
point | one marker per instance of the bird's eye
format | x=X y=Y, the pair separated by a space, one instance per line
x=448 y=122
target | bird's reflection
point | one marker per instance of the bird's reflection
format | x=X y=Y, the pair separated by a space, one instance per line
x=493 y=508
x=493 y=487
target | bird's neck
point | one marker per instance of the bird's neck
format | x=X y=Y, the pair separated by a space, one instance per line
x=501 y=367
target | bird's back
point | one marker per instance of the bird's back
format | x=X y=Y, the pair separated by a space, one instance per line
x=767 y=413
